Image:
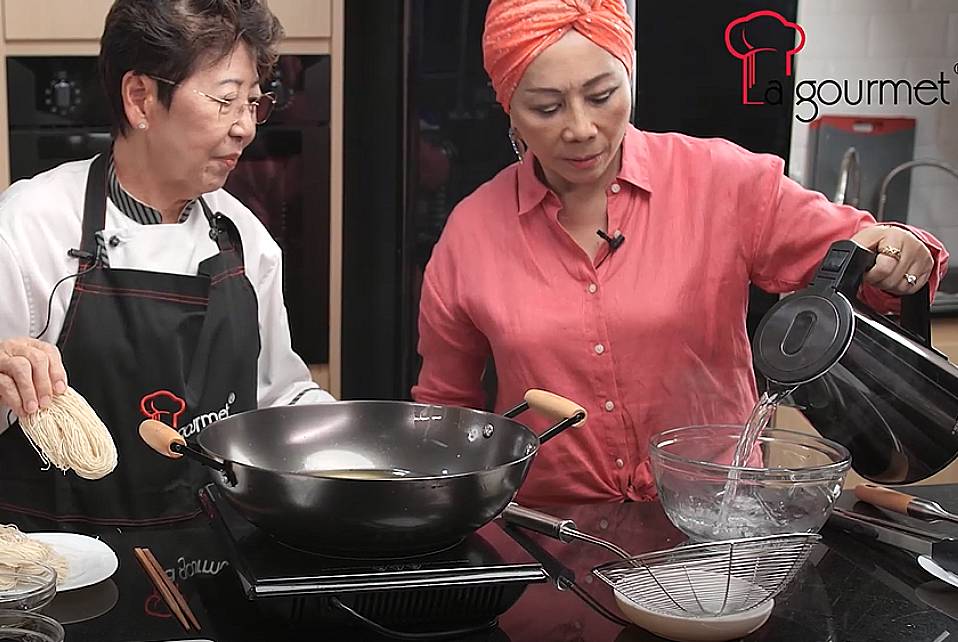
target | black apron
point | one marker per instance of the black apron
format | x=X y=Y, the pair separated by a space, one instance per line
x=137 y=344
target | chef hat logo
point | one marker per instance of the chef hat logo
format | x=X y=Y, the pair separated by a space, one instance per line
x=164 y=406
x=751 y=39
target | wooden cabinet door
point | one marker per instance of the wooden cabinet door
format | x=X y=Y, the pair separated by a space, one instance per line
x=54 y=19
x=83 y=19
x=304 y=18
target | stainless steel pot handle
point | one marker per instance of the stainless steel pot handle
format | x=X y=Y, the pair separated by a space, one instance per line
x=563 y=530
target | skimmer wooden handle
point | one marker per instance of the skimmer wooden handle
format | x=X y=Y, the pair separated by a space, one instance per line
x=884 y=497
x=161 y=438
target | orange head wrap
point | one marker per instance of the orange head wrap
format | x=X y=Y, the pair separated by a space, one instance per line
x=519 y=30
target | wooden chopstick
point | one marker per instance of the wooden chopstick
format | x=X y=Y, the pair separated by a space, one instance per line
x=160 y=582
x=180 y=600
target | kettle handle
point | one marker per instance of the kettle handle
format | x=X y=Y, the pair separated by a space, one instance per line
x=843 y=270
x=916 y=315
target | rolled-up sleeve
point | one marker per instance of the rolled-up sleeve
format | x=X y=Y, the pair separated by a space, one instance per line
x=796 y=226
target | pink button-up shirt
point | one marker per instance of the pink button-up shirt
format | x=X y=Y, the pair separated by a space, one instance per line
x=648 y=337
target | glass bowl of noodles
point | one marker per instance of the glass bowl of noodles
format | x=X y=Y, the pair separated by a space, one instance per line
x=27 y=588
x=21 y=626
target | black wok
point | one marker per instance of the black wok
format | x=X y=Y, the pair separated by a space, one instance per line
x=370 y=478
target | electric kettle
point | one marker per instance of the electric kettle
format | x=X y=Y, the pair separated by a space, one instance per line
x=874 y=385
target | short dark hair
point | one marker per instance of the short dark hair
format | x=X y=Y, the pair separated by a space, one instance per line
x=170 y=38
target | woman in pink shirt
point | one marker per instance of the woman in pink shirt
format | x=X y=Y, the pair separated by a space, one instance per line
x=643 y=324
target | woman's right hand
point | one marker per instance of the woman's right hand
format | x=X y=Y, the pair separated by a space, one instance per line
x=31 y=373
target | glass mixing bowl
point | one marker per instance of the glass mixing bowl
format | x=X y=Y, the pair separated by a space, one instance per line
x=27 y=590
x=20 y=626
x=790 y=484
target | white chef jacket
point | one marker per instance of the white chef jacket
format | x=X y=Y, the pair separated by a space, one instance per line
x=41 y=219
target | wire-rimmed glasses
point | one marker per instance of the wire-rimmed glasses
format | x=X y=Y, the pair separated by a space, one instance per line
x=259 y=109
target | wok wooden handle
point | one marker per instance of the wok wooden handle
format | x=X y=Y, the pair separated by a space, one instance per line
x=884 y=497
x=554 y=407
x=161 y=438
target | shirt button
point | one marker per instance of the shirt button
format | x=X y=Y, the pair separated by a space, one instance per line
x=592 y=288
x=619 y=463
x=599 y=348
x=616 y=188
x=114 y=241
x=609 y=406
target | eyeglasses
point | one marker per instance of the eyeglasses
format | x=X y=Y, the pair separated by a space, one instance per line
x=259 y=108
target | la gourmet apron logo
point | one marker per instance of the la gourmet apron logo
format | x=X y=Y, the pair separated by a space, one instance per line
x=747 y=38
x=167 y=407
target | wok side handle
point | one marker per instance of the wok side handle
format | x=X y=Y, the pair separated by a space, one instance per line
x=454 y=634
x=169 y=443
x=555 y=407
x=575 y=420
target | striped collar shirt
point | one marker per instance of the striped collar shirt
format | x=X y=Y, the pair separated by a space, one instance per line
x=134 y=209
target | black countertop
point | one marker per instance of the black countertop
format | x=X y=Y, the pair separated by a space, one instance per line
x=851 y=590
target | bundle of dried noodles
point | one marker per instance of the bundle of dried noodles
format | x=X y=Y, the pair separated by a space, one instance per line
x=20 y=555
x=69 y=434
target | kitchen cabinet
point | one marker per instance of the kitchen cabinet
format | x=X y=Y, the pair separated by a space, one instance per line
x=302 y=19
x=26 y=20
x=54 y=19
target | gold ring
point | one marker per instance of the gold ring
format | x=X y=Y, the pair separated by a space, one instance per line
x=888 y=250
x=911 y=279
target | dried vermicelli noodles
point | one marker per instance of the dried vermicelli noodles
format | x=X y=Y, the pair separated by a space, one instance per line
x=20 y=555
x=68 y=434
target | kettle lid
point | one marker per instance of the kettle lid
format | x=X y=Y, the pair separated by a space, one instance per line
x=803 y=335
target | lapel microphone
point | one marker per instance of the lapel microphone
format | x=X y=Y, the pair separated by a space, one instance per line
x=613 y=241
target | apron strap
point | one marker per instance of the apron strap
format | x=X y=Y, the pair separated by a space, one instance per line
x=219 y=227
x=94 y=206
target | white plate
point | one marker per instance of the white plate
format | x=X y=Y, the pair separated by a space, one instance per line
x=90 y=560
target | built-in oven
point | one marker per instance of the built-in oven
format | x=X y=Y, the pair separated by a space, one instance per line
x=58 y=112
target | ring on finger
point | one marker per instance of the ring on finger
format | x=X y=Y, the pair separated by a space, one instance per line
x=891 y=251
x=911 y=279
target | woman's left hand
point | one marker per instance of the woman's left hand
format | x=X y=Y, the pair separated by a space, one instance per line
x=903 y=264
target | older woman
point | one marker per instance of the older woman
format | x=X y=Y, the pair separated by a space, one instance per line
x=612 y=265
x=136 y=275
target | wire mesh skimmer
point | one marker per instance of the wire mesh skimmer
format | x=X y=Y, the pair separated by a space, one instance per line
x=699 y=580
x=711 y=579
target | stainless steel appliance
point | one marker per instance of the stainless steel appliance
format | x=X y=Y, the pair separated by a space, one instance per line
x=876 y=386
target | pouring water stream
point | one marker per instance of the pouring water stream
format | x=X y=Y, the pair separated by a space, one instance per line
x=757 y=422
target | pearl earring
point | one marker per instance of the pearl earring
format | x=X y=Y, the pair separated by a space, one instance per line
x=141 y=125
